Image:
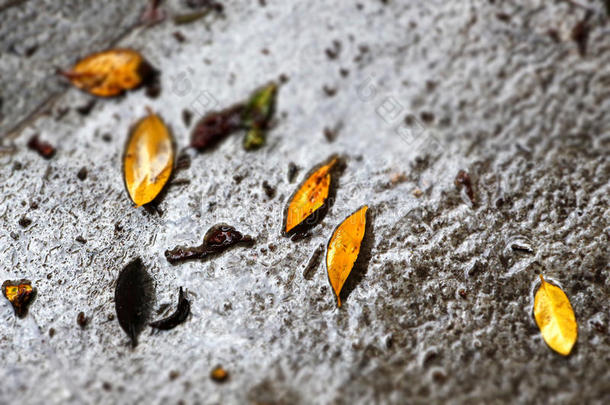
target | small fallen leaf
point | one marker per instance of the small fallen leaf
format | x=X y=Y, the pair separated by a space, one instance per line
x=110 y=73
x=311 y=195
x=148 y=160
x=133 y=298
x=555 y=318
x=344 y=248
x=257 y=115
x=219 y=238
x=20 y=294
x=182 y=312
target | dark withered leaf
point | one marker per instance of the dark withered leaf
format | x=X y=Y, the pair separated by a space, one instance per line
x=216 y=126
x=182 y=312
x=218 y=239
x=133 y=297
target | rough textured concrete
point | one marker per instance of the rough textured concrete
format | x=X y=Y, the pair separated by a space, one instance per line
x=443 y=312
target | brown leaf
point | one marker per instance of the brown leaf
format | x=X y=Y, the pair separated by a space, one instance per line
x=218 y=239
x=216 y=126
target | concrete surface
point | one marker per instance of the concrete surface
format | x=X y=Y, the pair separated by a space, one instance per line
x=443 y=312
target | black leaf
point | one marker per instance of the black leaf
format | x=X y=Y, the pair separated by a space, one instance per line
x=182 y=312
x=133 y=298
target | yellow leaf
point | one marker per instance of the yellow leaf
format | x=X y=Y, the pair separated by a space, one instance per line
x=109 y=73
x=310 y=196
x=555 y=318
x=148 y=160
x=344 y=248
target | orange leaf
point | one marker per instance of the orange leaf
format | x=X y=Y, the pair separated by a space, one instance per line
x=310 y=196
x=148 y=160
x=109 y=73
x=344 y=248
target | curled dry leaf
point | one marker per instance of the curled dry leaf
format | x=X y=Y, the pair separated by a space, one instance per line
x=215 y=126
x=148 y=160
x=555 y=318
x=218 y=239
x=182 y=312
x=20 y=294
x=133 y=298
x=344 y=248
x=110 y=73
x=310 y=197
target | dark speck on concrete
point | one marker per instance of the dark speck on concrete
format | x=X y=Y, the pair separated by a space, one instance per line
x=82 y=173
x=187 y=116
x=293 y=170
x=329 y=91
x=269 y=189
x=86 y=108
